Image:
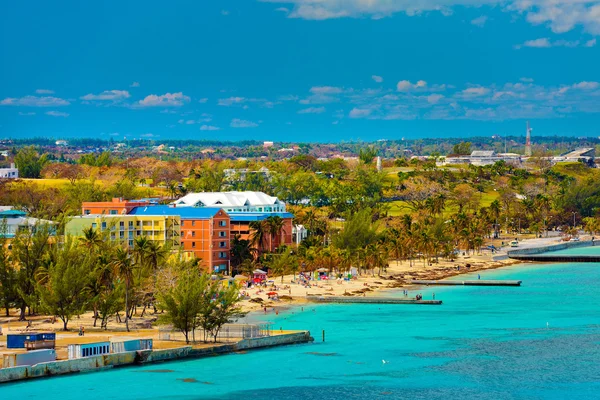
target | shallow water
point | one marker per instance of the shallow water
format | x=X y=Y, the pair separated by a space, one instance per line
x=538 y=341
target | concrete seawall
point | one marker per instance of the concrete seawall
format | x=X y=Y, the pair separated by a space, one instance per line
x=370 y=300
x=553 y=247
x=98 y=363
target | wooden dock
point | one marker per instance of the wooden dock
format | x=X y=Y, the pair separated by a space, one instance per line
x=474 y=282
x=370 y=300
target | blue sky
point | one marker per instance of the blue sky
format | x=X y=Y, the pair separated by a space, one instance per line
x=298 y=70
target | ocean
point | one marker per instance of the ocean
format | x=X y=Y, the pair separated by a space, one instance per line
x=537 y=341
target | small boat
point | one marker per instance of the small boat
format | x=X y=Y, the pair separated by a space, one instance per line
x=514 y=243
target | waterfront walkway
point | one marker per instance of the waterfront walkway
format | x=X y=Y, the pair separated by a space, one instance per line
x=370 y=300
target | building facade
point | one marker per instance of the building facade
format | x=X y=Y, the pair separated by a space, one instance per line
x=117 y=206
x=13 y=222
x=165 y=230
x=238 y=202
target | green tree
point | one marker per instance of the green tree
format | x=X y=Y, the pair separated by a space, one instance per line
x=462 y=148
x=30 y=163
x=61 y=285
x=183 y=300
x=123 y=266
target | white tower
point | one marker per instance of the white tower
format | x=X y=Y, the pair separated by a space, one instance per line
x=528 y=141
x=378 y=163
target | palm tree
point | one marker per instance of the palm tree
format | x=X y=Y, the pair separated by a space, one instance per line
x=274 y=225
x=241 y=250
x=140 y=250
x=124 y=268
x=259 y=234
x=91 y=238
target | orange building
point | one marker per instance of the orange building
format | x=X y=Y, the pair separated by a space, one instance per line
x=117 y=206
x=205 y=232
x=240 y=225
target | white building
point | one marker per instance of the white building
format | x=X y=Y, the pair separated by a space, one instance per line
x=245 y=202
x=299 y=233
x=14 y=221
x=10 y=173
x=483 y=157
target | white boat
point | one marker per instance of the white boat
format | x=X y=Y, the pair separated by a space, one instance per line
x=514 y=243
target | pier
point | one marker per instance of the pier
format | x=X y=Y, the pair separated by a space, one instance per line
x=370 y=300
x=477 y=282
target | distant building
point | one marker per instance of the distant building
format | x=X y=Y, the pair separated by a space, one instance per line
x=241 y=174
x=266 y=145
x=584 y=154
x=481 y=158
x=61 y=143
x=9 y=173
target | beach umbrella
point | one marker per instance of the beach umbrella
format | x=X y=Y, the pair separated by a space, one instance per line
x=272 y=294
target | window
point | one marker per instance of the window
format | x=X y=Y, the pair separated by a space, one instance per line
x=113 y=212
x=130 y=224
x=94 y=225
x=121 y=225
x=131 y=243
x=86 y=212
x=193 y=245
x=222 y=234
x=222 y=223
x=193 y=233
x=193 y=223
x=182 y=223
x=121 y=235
x=222 y=254
x=103 y=225
x=222 y=244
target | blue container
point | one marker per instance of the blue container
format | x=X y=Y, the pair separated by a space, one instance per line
x=17 y=340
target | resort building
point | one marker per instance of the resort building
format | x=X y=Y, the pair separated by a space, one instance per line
x=238 y=202
x=14 y=221
x=481 y=158
x=9 y=173
x=205 y=232
x=117 y=206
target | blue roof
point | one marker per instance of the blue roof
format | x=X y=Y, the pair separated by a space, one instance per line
x=183 y=212
x=246 y=217
x=12 y=213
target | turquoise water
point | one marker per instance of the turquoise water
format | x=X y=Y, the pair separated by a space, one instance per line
x=578 y=251
x=538 y=341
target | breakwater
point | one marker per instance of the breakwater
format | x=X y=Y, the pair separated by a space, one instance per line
x=477 y=282
x=102 y=362
x=370 y=300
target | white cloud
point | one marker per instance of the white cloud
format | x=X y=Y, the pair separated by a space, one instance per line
x=474 y=92
x=434 y=98
x=480 y=21
x=57 y=114
x=360 y=112
x=203 y=100
x=107 y=95
x=209 y=128
x=283 y=10
x=590 y=43
x=44 y=91
x=165 y=100
x=326 y=90
x=312 y=110
x=288 y=97
x=377 y=78
x=135 y=84
x=34 y=101
x=406 y=86
x=559 y=15
x=26 y=113
x=240 y=123
x=539 y=43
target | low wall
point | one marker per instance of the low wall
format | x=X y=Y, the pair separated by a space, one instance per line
x=97 y=363
x=277 y=340
x=553 y=247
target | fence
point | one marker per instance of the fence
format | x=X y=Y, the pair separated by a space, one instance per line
x=228 y=333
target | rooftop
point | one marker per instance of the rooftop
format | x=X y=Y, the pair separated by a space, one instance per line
x=183 y=212
x=244 y=217
x=226 y=199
